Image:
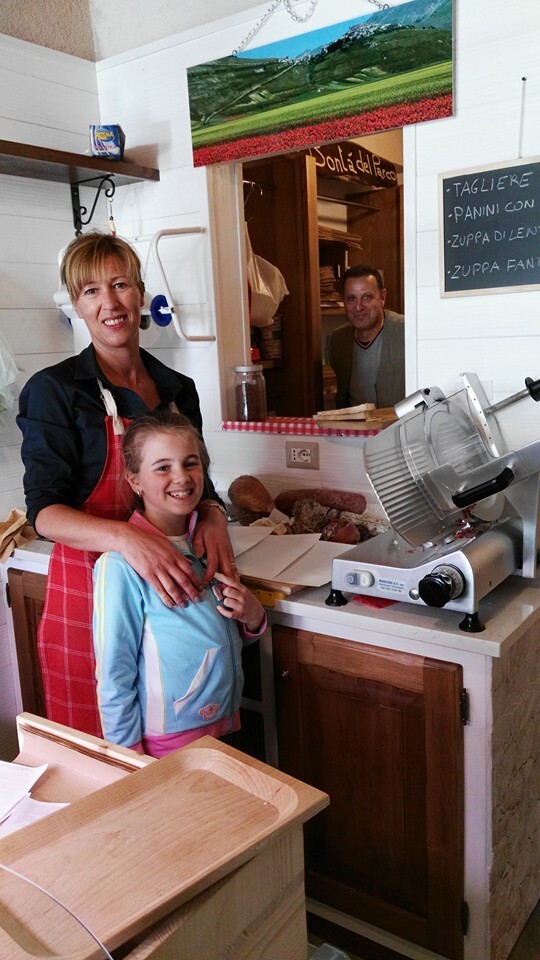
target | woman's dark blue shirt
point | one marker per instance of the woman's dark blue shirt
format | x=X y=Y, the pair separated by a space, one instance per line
x=62 y=418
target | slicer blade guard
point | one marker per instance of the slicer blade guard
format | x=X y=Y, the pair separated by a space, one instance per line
x=446 y=452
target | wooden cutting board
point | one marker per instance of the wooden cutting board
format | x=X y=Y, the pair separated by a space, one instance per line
x=273 y=586
x=369 y=420
x=127 y=855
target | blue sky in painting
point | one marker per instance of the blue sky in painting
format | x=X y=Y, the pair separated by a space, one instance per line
x=295 y=46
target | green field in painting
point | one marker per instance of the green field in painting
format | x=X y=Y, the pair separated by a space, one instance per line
x=346 y=100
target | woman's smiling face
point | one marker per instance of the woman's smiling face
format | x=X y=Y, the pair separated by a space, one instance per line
x=170 y=479
x=110 y=305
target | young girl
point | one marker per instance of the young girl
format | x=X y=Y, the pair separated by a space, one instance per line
x=166 y=676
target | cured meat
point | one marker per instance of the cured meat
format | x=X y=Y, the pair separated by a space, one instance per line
x=250 y=499
x=341 y=531
x=338 y=499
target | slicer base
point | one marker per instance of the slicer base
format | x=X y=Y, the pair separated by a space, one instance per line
x=471 y=623
x=335 y=599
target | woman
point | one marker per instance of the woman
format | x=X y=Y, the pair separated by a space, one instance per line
x=72 y=416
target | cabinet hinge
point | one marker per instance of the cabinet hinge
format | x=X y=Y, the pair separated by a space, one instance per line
x=464 y=706
x=465 y=918
x=8 y=596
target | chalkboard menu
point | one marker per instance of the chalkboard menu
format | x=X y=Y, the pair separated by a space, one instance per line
x=490 y=237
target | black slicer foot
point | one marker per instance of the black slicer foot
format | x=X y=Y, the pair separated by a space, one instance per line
x=335 y=599
x=471 y=623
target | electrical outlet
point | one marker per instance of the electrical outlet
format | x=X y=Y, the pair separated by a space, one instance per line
x=303 y=456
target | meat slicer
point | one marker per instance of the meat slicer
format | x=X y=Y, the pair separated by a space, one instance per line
x=463 y=509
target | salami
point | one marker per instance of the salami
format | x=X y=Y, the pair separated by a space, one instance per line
x=338 y=499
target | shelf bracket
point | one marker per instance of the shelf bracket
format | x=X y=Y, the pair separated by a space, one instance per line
x=78 y=210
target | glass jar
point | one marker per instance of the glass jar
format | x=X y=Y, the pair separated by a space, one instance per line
x=250 y=393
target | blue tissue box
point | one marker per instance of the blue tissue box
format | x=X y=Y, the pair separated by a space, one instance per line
x=107 y=141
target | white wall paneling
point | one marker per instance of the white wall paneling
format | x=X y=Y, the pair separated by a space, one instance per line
x=496 y=335
x=47 y=99
x=341 y=464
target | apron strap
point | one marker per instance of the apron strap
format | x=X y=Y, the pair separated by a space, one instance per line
x=110 y=407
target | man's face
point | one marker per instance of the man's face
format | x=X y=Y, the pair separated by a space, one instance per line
x=364 y=303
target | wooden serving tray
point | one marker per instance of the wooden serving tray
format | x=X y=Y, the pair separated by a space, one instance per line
x=125 y=856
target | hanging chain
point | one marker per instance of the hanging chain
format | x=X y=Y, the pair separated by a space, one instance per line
x=294 y=16
x=266 y=16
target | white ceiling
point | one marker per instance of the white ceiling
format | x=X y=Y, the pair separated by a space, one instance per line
x=97 y=29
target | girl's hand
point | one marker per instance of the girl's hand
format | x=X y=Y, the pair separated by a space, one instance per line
x=239 y=603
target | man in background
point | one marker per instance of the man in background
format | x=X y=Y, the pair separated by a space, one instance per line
x=367 y=354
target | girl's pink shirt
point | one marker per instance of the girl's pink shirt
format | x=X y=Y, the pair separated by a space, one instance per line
x=160 y=746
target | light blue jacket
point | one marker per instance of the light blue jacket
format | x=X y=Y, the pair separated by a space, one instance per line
x=160 y=670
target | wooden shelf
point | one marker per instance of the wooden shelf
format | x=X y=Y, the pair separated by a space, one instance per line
x=274 y=363
x=327 y=235
x=40 y=163
x=333 y=311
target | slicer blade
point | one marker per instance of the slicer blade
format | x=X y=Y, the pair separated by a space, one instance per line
x=479 y=404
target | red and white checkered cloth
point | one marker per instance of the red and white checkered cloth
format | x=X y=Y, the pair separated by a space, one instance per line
x=298 y=426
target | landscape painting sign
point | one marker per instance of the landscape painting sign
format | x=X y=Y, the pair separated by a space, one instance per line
x=383 y=70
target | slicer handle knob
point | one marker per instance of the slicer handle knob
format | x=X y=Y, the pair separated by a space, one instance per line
x=484 y=490
x=443 y=584
x=533 y=386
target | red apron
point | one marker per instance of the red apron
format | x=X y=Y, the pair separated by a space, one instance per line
x=65 y=640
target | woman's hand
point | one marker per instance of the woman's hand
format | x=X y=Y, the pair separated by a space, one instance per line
x=211 y=540
x=164 y=568
x=154 y=558
x=239 y=603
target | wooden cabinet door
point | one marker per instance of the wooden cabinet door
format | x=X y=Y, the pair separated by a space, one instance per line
x=27 y=598
x=381 y=733
x=382 y=240
x=250 y=738
x=281 y=219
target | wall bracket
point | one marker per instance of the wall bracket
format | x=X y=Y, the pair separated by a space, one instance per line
x=78 y=210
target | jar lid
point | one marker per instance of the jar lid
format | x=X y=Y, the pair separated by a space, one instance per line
x=251 y=368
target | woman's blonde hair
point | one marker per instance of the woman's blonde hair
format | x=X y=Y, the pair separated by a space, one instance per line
x=84 y=260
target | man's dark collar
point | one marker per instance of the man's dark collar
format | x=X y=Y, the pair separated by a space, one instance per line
x=364 y=346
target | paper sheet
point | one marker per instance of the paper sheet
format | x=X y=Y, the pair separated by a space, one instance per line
x=243 y=538
x=272 y=555
x=300 y=559
x=27 y=811
x=16 y=782
x=314 y=568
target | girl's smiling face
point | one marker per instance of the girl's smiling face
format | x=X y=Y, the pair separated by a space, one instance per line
x=170 y=479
